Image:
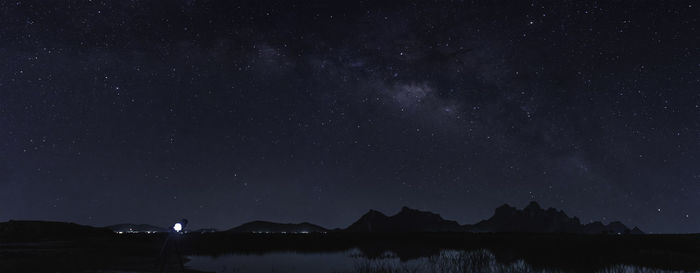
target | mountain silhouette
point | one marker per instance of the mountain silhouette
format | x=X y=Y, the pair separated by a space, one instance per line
x=407 y=220
x=37 y=231
x=506 y=218
x=205 y=230
x=136 y=228
x=271 y=227
x=533 y=218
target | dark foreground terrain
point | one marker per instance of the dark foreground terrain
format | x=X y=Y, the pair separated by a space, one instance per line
x=139 y=252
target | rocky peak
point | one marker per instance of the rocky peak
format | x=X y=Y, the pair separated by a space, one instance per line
x=505 y=209
x=406 y=220
x=533 y=206
x=374 y=213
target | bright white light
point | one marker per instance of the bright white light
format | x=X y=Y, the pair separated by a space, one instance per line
x=177 y=227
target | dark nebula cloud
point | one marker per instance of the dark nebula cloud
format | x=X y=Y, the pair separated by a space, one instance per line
x=229 y=111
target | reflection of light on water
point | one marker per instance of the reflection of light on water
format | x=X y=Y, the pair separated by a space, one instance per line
x=290 y=262
x=284 y=232
x=354 y=261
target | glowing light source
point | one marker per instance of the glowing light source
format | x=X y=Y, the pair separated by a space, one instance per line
x=179 y=226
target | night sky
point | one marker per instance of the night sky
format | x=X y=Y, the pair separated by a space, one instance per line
x=224 y=112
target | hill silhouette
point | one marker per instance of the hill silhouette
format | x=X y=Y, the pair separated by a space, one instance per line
x=407 y=220
x=33 y=231
x=136 y=228
x=533 y=218
x=271 y=227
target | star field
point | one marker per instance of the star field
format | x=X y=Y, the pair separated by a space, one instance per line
x=226 y=112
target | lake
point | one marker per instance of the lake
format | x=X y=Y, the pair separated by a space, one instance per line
x=354 y=261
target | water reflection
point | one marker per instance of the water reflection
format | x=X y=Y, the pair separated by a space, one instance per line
x=354 y=261
x=291 y=262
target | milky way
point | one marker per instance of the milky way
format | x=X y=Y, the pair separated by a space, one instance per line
x=223 y=112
